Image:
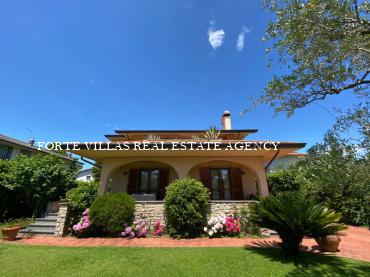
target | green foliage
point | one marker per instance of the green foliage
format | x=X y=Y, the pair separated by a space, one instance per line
x=334 y=174
x=247 y=225
x=294 y=216
x=283 y=180
x=38 y=179
x=212 y=133
x=109 y=212
x=324 y=47
x=96 y=171
x=19 y=222
x=186 y=207
x=82 y=196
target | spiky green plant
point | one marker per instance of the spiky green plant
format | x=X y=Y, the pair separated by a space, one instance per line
x=212 y=133
x=293 y=216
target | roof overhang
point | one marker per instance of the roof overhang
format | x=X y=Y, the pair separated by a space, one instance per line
x=283 y=148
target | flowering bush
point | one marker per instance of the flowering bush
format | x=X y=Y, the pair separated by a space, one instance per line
x=232 y=226
x=84 y=224
x=222 y=225
x=137 y=229
x=215 y=226
x=158 y=229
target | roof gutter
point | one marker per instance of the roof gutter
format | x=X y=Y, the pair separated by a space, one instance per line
x=273 y=158
x=87 y=161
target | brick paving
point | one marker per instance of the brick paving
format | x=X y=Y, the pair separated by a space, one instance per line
x=355 y=242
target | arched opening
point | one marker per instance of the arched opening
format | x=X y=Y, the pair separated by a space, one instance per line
x=145 y=180
x=227 y=180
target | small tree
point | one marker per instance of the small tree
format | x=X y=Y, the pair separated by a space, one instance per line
x=335 y=174
x=83 y=195
x=186 y=207
x=40 y=178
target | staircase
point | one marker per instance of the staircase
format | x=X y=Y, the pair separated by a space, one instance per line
x=44 y=225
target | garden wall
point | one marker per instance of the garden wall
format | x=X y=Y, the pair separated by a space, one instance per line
x=151 y=211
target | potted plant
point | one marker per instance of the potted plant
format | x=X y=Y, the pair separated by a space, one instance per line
x=10 y=230
x=294 y=216
x=328 y=243
x=326 y=235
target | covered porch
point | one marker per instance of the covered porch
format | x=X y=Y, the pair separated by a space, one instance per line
x=146 y=178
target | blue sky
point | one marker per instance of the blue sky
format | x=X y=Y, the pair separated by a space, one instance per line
x=76 y=70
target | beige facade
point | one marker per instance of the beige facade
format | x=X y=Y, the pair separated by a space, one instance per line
x=115 y=171
x=229 y=173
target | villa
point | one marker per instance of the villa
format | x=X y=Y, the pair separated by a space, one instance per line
x=228 y=169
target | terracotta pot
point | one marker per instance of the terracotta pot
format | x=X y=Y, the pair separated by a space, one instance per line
x=10 y=233
x=328 y=243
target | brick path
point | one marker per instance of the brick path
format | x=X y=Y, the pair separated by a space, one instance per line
x=355 y=242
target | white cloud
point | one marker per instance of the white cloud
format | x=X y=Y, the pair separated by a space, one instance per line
x=241 y=38
x=215 y=37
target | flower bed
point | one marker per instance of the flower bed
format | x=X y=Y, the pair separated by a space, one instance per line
x=222 y=226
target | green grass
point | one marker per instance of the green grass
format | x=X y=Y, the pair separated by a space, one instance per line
x=23 y=260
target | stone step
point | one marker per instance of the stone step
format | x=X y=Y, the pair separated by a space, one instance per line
x=49 y=214
x=46 y=219
x=44 y=224
x=38 y=230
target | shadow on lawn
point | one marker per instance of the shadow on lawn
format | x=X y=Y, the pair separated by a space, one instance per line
x=310 y=264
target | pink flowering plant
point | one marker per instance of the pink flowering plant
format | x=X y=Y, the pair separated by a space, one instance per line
x=138 y=229
x=222 y=226
x=83 y=226
x=232 y=226
x=158 y=229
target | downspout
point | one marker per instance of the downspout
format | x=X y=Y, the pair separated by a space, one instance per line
x=273 y=158
x=87 y=161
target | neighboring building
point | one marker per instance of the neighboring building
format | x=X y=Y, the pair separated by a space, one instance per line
x=286 y=161
x=228 y=174
x=10 y=148
x=85 y=175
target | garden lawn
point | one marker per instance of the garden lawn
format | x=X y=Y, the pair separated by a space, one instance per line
x=22 y=260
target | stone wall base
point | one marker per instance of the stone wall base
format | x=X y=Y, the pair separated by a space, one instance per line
x=152 y=211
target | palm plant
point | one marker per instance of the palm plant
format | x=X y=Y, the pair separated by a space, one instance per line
x=212 y=133
x=293 y=216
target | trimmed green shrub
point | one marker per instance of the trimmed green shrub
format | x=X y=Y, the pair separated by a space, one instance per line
x=110 y=211
x=283 y=180
x=83 y=195
x=186 y=207
x=294 y=216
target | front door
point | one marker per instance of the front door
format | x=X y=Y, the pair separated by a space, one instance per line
x=220 y=184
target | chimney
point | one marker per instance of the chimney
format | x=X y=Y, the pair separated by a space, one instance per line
x=31 y=141
x=226 y=120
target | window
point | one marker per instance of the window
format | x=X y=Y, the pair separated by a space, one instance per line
x=220 y=184
x=148 y=181
x=5 y=152
x=88 y=177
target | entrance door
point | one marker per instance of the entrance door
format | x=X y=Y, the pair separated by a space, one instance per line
x=220 y=184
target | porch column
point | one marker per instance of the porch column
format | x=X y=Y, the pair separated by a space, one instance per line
x=106 y=169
